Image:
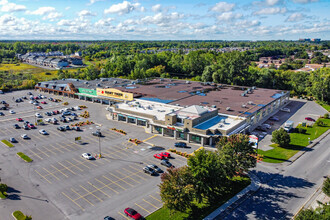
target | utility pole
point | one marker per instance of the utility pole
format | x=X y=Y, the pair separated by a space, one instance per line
x=99 y=134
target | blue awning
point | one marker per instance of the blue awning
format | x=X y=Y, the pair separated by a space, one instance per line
x=140 y=119
x=131 y=117
x=121 y=115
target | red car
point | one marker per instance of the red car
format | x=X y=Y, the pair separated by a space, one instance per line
x=31 y=126
x=165 y=154
x=39 y=107
x=309 y=119
x=19 y=119
x=43 y=102
x=132 y=213
x=159 y=156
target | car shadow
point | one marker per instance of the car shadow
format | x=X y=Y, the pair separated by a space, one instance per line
x=157 y=148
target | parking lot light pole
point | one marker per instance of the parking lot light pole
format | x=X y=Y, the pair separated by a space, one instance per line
x=99 y=132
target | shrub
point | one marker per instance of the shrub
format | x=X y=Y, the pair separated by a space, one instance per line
x=301 y=130
x=3 y=188
x=326 y=186
x=319 y=122
x=24 y=157
x=20 y=216
x=326 y=115
x=281 y=137
x=7 y=143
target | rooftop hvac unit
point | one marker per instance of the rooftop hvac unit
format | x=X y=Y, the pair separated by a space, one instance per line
x=223 y=120
x=250 y=103
x=228 y=108
x=243 y=106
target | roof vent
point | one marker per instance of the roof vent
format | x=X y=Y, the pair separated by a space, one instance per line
x=228 y=108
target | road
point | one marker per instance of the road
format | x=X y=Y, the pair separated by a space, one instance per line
x=285 y=189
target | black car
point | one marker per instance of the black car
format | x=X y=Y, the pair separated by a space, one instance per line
x=166 y=163
x=29 y=93
x=12 y=140
x=67 y=127
x=1 y=114
x=3 y=102
x=155 y=168
x=61 y=128
x=16 y=126
x=3 y=108
x=149 y=170
x=76 y=128
x=180 y=144
x=108 y=218
x=97 y=133
x=25 y=127
x=261 y=128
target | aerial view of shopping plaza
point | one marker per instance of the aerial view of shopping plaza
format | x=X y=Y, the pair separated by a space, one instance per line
x=190 y=111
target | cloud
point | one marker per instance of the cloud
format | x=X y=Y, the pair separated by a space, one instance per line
x=222 y=7
x=11 y=7
x=104 y=22
x=52 y=16
x=246 y=24
x=7 y=19
x=156 y=8
x=295 y=17
x=162 y=19
x=122 y=8
x=271 y=11
x=227 y=16
x=273 y=2
x=67 y=8
x=304 y=1
x=93 y=1
x=65 y=22
x=85 y=13
x=42 y=11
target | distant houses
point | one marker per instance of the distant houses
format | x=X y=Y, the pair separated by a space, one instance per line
x=51 y=60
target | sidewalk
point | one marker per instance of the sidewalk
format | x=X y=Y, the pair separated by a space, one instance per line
x=240 y=197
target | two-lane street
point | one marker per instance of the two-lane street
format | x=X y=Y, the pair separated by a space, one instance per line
x=285 y=189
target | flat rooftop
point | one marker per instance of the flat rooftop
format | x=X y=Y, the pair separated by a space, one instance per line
x=231 y=96
x=159 y=110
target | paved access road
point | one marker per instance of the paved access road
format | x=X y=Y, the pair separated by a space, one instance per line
x=285 y=189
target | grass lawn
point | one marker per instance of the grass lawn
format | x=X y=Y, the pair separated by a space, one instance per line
x=203 y=210
x=324 y=105
x=2 y=196
x=298 y=142
x=20 y=216
x=7 y=143
x=24 y=157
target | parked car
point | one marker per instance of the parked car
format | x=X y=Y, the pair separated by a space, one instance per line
x=12 y=140
x=31 y=126
x=61 y=128
x=24 y=136
x=67 y=127
x=48 y=113
x=97 y=133
x=16 y=126
x=25 y=127
x=166 y=154
x=76 y=128
x=166 y=163
x=12 y=112
x=48 y=120
x=159 y=156
x=267 y=126
x=155 y=168
x=39 y=107
x=43 y=102
x=38 y=115
x=87 y=156
x=2 y=114
x=310 y=119
x=149 y=170
x=180 y=144
x=132 y=213
x=43 y=132
x=261 y=128
x=285 y=110
x=274 y=118
x=108 y=218
x=19 y=119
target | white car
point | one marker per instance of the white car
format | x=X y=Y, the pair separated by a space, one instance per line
x=43 y=132
x=87 y=156
x=48 y=119
x=38 y=115
x=31 y=101
x=77 y=108
x=285 y=110
x=267 y=126
x=12 y=112
x=24 y=136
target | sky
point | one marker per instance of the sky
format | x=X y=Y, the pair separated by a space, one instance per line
x=164 y=19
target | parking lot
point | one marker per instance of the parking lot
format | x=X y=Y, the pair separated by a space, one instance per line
x=77 y=188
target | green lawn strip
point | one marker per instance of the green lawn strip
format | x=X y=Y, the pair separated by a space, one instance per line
x=203 y=209
x=7 y=143
x=298 y=142
x=2 y=195
x=24 y=157
x=20 y=216
x=324 y=105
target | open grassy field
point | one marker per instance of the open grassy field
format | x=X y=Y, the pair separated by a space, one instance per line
x=298 y=142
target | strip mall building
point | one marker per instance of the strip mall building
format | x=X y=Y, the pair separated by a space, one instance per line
x=188 y=111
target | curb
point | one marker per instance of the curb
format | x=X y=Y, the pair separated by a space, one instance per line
x=236 y=200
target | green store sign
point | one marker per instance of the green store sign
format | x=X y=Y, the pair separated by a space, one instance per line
x=87 y=91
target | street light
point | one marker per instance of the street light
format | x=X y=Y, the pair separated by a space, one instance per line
x=99 y=134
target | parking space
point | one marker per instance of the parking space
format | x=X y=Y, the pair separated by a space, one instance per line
x=79 y=186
